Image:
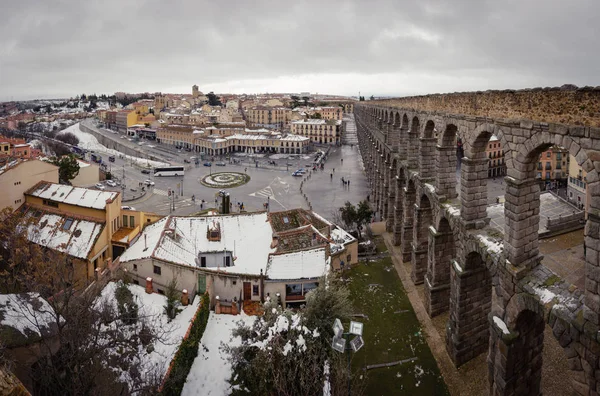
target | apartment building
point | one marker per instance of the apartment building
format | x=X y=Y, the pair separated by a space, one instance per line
x=319 y=130
x=578 y=192
x=88 y=225
x=19 y=175
x=553 y=166
x=16 y=148
x=272 y=116
x=125 y=119
x=495 y=154
x=218 y=141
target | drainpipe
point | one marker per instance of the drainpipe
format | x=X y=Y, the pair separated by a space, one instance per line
x=262 y=289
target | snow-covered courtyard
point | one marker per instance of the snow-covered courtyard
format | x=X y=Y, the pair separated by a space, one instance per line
x=211 y=369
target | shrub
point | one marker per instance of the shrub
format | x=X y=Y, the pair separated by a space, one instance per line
x=187 y=352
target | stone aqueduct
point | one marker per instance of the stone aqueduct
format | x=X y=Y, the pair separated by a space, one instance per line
x=490 y=284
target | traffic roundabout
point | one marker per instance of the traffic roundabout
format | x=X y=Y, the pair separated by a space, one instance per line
x=225 y=180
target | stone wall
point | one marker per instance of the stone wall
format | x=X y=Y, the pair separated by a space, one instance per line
x=565 y=105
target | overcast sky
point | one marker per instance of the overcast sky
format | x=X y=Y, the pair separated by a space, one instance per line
x=53 y=48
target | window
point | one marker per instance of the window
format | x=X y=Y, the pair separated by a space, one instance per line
x=67 y=224
x=136 y=282
x=202 y=261
x=539 y=166
x=135 y=267
x=547 y=175
x=157 y=270
x=255 y=290
x=131 y=221
x=559 y=156
x=50 y=203
x=124 y=220
x=548 y=154
x=308 y=287
x=17 y=201
x=293 y=289
x=226 y=261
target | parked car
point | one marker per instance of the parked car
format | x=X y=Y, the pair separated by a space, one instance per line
x=148 y=182
x=221 y=163
x=207 y=164
x=187 y=161
x=111 y=183
x=297 y=174
x=146 y=171
x=99 y=186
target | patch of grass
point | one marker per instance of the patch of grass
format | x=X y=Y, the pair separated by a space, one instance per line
x=380 y=243
x=552 y=280
x=391 y=333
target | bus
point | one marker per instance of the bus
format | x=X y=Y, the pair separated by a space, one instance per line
x=169 y=171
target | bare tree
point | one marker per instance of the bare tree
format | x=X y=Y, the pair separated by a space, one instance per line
x=91 y=341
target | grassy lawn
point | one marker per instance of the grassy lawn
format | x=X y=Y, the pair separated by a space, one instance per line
x=391 y=333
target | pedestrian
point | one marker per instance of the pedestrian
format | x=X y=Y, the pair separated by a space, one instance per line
x=342 y=160
x=348 y=183
x=331 y=176
x=333 y=170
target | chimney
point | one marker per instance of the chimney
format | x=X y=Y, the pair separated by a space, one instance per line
x=149 y=289
x=184 y=297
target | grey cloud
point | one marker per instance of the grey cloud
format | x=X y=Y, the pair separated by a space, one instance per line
x=65 y=48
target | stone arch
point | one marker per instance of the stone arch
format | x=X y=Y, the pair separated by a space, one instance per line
x=445 y=162
x=426 y=159
x=470 y=302
x=516 y=347
x=423 y=219
x=413 y=144
x=428 y=130
x=474 y=175
x=440 y=254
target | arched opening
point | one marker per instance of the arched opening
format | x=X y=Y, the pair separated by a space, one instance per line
x=426 y=151
x=423 y=220
x=441 y=252
x=445 y=160
x=413 y=144
x=470 y=302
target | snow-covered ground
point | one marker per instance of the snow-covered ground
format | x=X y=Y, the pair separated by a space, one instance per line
x=89 y=142
x=211 y=369
x=17 y=311
x=151 y=307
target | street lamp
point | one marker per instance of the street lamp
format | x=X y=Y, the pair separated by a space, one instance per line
x=342 y=344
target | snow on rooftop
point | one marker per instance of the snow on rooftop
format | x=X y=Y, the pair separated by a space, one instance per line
x=78 y=196
x=27 y=313
x=146 y=243
x=298 y=265
x=248 y=236
x=75 y=237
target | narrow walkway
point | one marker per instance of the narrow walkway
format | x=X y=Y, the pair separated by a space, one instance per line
x=465 y=381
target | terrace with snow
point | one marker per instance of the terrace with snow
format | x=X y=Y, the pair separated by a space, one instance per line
x=240 y=257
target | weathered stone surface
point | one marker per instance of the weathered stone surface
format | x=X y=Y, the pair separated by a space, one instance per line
x=462 y=266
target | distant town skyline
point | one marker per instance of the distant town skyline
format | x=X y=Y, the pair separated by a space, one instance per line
x=381 y=48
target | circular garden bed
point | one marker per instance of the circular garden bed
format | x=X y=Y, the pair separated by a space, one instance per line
x=225 y=180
